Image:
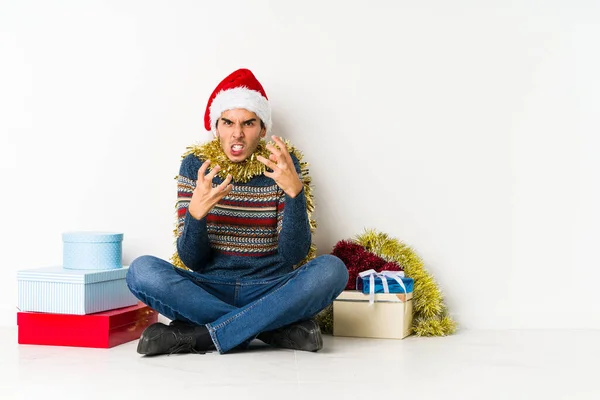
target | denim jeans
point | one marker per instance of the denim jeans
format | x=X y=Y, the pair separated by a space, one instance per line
x=235 y=311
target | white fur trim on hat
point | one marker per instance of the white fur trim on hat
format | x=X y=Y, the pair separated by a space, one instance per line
x=241 y=97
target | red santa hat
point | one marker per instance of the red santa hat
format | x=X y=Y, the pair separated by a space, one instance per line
x=240 y=89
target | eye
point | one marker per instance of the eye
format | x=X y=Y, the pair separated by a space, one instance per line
x=249 y=123
x=226 y=122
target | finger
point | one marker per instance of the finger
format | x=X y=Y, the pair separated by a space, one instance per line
x=224 y=192
x=224 y=184
x=285 y=155
x=202 y=169
x=268 y=163
x=280 y=143
x=281 y=162
x=213 y=172
x=270 y=175
x=228 y=189
x=274 y=150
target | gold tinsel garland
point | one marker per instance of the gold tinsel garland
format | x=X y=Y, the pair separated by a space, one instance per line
x=430 y=315
x=242 y=172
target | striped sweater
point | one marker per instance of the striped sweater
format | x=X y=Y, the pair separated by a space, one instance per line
x=255 y=231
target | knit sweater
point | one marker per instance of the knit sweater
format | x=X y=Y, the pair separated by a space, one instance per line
x=256 y=231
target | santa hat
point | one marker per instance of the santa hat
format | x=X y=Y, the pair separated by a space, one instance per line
x=240 y=89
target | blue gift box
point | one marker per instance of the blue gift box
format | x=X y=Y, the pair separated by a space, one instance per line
x=68 y=291
x=364 y=284
x=92 y=250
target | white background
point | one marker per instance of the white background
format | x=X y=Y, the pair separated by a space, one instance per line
x=466 y=129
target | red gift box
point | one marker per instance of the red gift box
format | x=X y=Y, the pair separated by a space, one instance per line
x=100 y=330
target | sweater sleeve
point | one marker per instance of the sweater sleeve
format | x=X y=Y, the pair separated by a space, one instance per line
x=192 y=236
x=294 y=234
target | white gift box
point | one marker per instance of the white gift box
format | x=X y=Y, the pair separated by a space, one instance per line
x=68 y=291
x=389 y=317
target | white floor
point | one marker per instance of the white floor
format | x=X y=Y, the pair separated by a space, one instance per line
x=469 y=365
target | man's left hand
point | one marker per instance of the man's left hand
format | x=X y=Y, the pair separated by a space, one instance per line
x=284 y=173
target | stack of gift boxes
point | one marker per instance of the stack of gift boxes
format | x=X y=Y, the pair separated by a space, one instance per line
x=380 y=307
x=86 y=301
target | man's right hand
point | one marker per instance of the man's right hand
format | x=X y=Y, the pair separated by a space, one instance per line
x=205 y=197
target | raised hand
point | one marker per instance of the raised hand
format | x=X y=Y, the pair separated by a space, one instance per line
x=284 y=173
x=205 y=196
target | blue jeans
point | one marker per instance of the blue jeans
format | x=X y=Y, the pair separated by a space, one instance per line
x=235 y=311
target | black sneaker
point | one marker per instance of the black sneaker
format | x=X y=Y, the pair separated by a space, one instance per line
x=159 y=338
x=304 y=335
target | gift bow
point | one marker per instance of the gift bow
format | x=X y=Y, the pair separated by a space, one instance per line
x=372 y=274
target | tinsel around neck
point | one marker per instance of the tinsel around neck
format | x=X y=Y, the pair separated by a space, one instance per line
x=241 y=171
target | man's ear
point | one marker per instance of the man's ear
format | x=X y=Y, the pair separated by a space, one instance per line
x=263 y=132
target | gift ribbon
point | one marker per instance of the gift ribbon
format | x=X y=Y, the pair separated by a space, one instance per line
x=372 y=274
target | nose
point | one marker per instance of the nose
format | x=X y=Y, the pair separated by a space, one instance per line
x=238 y=131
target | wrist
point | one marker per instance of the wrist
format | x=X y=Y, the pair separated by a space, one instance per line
x=295 y=191
x=196 y=214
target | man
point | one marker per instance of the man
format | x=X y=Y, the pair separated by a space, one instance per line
x=242 y=239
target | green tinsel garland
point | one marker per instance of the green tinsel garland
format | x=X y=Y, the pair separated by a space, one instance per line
x=430 y=314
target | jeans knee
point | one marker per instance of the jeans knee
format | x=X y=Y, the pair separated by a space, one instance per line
x=138 y=271
x=340 y=271
x=334 y=273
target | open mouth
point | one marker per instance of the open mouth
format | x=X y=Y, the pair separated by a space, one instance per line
x=237 y=149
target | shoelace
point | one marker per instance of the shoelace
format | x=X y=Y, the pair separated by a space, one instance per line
x=184 y=343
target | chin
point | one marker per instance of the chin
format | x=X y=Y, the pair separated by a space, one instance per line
x=239 y=158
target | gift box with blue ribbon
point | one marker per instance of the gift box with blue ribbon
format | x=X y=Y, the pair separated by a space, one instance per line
x=381 y=308
x=384 y=282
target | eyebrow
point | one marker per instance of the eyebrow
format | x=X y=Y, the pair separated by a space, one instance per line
x=244 y=122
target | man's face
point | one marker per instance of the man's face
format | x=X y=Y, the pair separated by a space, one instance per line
x=239 y=132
